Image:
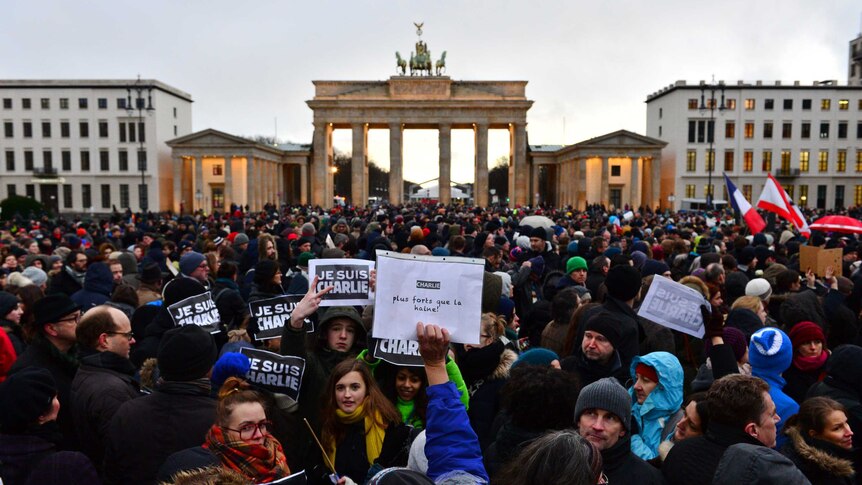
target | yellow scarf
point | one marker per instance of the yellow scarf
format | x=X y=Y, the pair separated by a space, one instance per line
x=374 y=432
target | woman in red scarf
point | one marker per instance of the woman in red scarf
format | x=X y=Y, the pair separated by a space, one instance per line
x=240 y=436
x=809 y=359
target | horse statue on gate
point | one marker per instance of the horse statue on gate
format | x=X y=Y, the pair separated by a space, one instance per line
x=441 y=64
x=420 y=64
x=400 y=64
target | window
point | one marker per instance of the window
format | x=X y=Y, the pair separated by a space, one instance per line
x=659 y=130
x=803 y=195
x=45 y=103
x=860 y=105
x=689 y=191
x=746 y=191
x=767 y=129
x=615 y=171
x=131 y=132
x=857 y=196
x=10 y=161
x=25 y=103
x=67 y=196
x=843 y=104
x=825 y=104
x=47 y=159
x=728 y=160
x=64 y=129
x=786 y=130
x=659 y=112
x=823 y=161
x=749 y=130
x=84 y=129
x=839 y=196
x=102 y=103
x=124 y=160
x=729 y=129
x=124 y=196
x=122 y=132
x=86 y=196
x=859 y=129
x=104 y=160
x=82 y=103
x=804 y=158
x=7 y=103
x=824 y=130
x=28 y=160
x=11 y=190
x=66 y=159
x=8 y=129
x=121 y=103
x=806 y=104
x=858 y=161
x=692 y=103
x=28 y=129
x=710 y=160
x=785 y=161
x=768 y=104
x=749 y=104
x=766 y=161
x=218 y=169
x=790 y=190
x=85 y=163
x=30 y=190
x=141 y=132
x=805 y=130
x=142 y=161
x=748 y=161
x=691 y=161
x=730 y=104
x=841 y=161
x=103 y=129
x=46 y=129
x=64 y=103
x=175 y=130
x=106 y=196
x=788 y=104
x=842 y=129
x=709 y=190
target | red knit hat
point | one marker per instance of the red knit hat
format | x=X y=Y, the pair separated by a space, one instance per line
x=646 y=371
x=805 y=332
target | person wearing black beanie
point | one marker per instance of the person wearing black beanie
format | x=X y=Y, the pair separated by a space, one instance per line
x=267 y=284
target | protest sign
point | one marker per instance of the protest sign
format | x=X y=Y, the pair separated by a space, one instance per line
x=818 y=259
x=197 y=310
x=673 y=305
x=271 y=315
x=276 y=373
x=350 y=279
x=398 y=352
x=446 y=291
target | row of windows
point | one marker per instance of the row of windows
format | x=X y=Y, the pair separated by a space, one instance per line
x=766 y=161
x=703 y=131
x=127 y=130
x=803 y=199
x=84 y=160
x=86 y=195
x=750 y=104
x=83 y=103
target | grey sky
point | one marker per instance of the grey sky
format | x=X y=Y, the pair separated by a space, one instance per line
x=590 y=63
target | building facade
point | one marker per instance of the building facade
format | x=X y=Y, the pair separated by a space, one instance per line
x=808 y=136
x=75 y=147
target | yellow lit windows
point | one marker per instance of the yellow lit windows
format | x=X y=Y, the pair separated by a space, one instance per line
x=825 y=104
x=746 y=191
x=749 y=130
x=843 y=104
x=692 y=103
x=749 y=104
x=748 y=161
x=710 y=160
x=730 y=130
x=803 y=195
x=691 y=161
x=766 y=161
x=689 y=191
x=857 y=196
x=785 y=161
x=804 y=158
x=728 y=160
x=823 y=161
x=841 y=161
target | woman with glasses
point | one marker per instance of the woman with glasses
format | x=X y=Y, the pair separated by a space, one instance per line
x=240 y=437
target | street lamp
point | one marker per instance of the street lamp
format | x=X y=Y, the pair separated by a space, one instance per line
x=138 y=89
x=710 y=104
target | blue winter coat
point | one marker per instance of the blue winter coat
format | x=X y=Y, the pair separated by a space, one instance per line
x=785 y=406
x=661 y=404
x=451 y=445
x=98 y=285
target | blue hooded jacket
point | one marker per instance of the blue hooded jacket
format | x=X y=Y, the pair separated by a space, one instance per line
x=98 y=286
x=770 y=353
x=661 y=404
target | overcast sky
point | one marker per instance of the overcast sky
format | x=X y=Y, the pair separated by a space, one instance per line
x=590 y=65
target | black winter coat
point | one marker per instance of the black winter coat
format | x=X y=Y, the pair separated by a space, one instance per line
x=694 y=461
x=622 y=466
x=821 y=462
x=145 y=431
x=799 y=381
x=98 y=285
x=30 y=459
x=63 y=282
x=231 y=307
x=485 y=372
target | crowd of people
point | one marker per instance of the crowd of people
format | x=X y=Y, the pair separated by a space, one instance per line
x=566 y=385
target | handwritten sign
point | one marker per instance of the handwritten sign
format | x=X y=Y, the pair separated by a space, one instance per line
x=446 y=291
x=274 y=372
x=675 y=306
x=197 y=310
x=350 y=279
x=398 y=352
x=268 y=317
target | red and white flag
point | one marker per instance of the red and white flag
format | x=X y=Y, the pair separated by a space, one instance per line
x=774 y=198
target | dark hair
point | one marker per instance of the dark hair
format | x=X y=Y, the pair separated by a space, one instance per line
x=737 y=400
x=575 y=325
x=227 y=269
x=125 y=294
x=93 y=324
x=491 y=252
x=234 y=391
x=29 y=296
x=72 y=256
x=556 y=458
x=386 y=375
x=540 y=398
x=813 y=413
x=700 y=406
x=563 y=305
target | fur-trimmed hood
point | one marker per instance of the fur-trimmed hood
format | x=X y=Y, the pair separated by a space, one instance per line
x=815 y=457
x=507 y=358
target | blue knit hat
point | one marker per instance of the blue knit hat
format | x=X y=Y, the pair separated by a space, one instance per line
x=190 y=261
x=537 y=356
x=770 y=351
x=231 y=364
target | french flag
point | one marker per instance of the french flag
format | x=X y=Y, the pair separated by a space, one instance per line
x=749 y=214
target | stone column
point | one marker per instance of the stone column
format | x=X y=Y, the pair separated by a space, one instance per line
x=199 y=180
x=396 y=163
x=635 y=188
x=511 y=168
x=655 y=169
x=605 y=176
x=178 y=183
x=445 y=180
x=522 y=185
x=249 y=181
x=260 y=180
x=480 y=179
x=303 y=184
x=320 y=185
x=534 y=184
x=282 y=173
x=228 y=182
x=358 y=182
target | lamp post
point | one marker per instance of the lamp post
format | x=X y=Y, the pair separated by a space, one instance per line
x=136 y=92
x=710 y=104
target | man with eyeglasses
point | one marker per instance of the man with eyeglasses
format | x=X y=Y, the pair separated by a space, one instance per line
x=71 y=278
x=194 y=265
x=53 y=348
x=105 y=379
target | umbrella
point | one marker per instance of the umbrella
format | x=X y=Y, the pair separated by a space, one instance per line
x=537 y=221
x=838 y=224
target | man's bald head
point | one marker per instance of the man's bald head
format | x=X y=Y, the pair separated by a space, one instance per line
x=421 y=250
x=99 y=320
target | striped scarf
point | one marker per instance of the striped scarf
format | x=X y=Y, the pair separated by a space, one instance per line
x=262 y=463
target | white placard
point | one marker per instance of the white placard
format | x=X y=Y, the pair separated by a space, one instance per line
x=674 y=306
x=350 y=279
x=446 y=291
